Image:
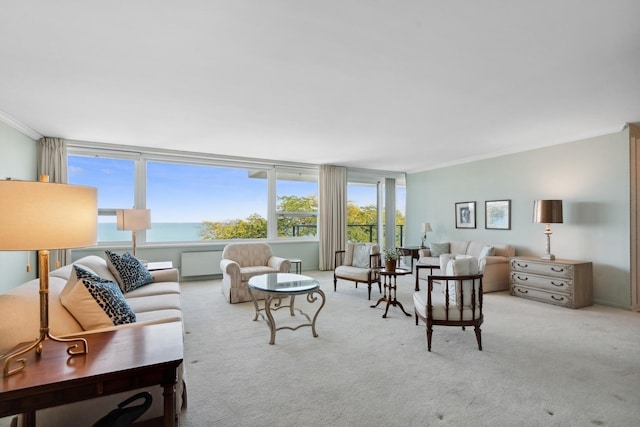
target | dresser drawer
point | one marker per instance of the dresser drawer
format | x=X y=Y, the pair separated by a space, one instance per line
x=563 y=300
x=542 y=268
x=552 y=284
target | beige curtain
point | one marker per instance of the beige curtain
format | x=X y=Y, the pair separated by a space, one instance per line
x=52 y=161
x=333 y=213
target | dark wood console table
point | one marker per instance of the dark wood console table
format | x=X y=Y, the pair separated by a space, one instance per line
x=412 y=251
x=122 y=360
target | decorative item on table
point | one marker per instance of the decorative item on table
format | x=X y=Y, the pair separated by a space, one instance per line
x=40 y=218
x=547 y=212
x=391 y=256
x=425 y=227
x=133 y=220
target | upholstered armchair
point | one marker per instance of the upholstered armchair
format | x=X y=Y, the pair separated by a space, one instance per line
x=240 y=262
x=358 y=262
x=453 y=299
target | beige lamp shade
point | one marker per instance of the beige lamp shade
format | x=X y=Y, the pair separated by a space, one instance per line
x=43 y=215
x=133 y=219
x=425 y=227
x=547 y=211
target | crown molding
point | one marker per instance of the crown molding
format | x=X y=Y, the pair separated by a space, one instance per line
x=19 y=126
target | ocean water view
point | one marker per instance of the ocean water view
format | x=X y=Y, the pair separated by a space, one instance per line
x=159 y=232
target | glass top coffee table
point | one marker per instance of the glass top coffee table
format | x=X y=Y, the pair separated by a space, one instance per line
x=281 y=285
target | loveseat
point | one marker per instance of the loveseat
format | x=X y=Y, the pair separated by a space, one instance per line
x=242 y=261
x=493 y=259
x=156 y=302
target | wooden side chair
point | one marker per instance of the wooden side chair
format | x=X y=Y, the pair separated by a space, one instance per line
x=453 y=299
x=360 y=263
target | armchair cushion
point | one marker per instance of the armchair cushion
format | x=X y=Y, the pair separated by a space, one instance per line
x=463 y=266
x=361 y=255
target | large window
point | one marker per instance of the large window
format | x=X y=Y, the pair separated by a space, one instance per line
x=201 y=202
x=362 y=212
x=114 y=178
x=297 y=203
x=196 y=200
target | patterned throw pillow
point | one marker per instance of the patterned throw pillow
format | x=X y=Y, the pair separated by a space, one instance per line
x=97 y=304
x=128 y=271
x=438 y=249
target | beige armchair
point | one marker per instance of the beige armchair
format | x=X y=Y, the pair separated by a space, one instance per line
x=453 y=299
x=359 y=262
x=240 y=262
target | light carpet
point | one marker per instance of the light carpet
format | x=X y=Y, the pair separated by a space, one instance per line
x=541 y=365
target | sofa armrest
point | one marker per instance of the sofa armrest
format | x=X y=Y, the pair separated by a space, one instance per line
x=489 y=260
x=283 y=265
x=424 y=253
x=169 y=275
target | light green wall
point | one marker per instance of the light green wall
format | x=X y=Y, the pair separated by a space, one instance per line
x=18 y=161
x=592 y=178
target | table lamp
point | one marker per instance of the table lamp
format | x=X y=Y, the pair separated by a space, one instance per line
x=425 y=227
x=547 y=212
x=42 y=216
x=133 y=220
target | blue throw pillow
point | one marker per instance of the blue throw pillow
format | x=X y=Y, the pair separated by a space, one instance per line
x=128 y=271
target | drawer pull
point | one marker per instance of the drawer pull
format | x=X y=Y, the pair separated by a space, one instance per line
x=557 y=284
x=525 y=278
x=557 y=298
x=522 y=265
x=523 y=291
x=557 y=270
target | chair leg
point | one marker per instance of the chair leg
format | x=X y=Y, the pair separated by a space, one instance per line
x=429 y=334
x=416 y=314
x=369 y=289
x=479 y=337
x=335 y=283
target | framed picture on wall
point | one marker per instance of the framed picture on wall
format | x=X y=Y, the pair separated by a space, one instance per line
x=466 y=215
x=497 y=214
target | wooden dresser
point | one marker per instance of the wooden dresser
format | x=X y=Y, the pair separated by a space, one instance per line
x=561 y=282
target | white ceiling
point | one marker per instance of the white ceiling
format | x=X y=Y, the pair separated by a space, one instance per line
x=396 y=85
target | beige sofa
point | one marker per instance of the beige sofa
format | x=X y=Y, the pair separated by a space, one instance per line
x=157 y=302
x=493 y=259
x=240 y=262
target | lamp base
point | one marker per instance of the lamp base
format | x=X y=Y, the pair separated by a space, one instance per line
x=43 y=266
x=37 y=345
x=548 y=256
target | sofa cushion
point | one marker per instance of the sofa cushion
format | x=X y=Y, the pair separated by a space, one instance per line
x=487 y=251
x=97 y=304
x=438 y=249
x=128 y=270
x=460 y=247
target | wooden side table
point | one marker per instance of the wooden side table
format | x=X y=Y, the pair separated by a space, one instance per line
x=389 y=279
x=412 y=251
x=122 y=360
